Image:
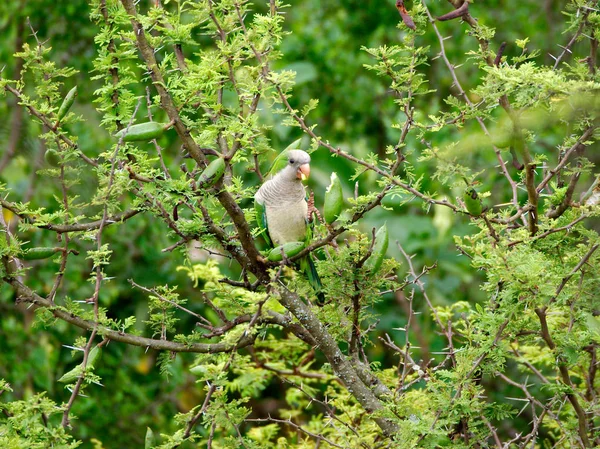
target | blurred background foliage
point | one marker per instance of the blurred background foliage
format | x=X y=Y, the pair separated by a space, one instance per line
x=356 y=112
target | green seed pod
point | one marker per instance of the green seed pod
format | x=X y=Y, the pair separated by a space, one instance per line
x=149 y=441
x=290 y=249
x=66 y=104
x=93 y=355
x=334 y=199
x=72 y=375
x=502 y=138
x=52 y=157
x=472 y=202
x=39 y=253
x=212 y=173
x=198 y=370
x=373 y=263
x=142 y=132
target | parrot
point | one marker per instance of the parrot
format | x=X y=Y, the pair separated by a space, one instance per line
x=282 y=210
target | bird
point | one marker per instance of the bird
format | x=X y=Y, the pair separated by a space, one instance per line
x=282 y=209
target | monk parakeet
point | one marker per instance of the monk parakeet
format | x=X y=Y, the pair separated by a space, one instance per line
x=282 y=209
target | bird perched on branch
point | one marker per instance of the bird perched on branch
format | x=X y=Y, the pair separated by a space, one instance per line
x=282 y=209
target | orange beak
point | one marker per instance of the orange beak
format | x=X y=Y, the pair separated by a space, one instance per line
x=303 y=172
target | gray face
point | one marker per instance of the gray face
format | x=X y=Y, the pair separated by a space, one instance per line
x=298 y=165
x=296 y=158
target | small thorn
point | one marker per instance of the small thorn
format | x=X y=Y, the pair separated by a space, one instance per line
x=565 y=48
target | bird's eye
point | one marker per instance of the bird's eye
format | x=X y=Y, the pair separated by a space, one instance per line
x=292 y=161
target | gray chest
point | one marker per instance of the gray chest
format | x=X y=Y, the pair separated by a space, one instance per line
x=287 y=222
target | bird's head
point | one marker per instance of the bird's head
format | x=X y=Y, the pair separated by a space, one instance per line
x=298 y=165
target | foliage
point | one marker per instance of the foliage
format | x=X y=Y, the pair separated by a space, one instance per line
x=479 y=329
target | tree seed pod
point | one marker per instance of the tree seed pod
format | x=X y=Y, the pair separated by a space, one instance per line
x=66 y=104
x=290 y=249
x=373 y=263
x=212 y=173
x=93 y=355
x=149 y=441
x=142 y=132
x=72 y=375
x=39 y=253
x=472 y=202
x=502 y=137
x=334 y=200
x=52 y=157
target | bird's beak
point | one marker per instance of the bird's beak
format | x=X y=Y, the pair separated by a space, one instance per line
x=303 y=172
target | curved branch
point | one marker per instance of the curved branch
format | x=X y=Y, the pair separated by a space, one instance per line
x=484 y=46
x=589 y=132
x=42 y=117
x=76 y=227
x=566 y=378
x=224 y=197
x=339 y=363
x=25 y=294
x=579 y=32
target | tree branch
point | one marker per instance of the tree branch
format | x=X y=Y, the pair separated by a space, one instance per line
x=340 y=365
x=25 y=294
x=33 y=111
x=566 y=378
x=65 y=228
x=225 y=198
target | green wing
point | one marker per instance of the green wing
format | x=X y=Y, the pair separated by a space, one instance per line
x=309 y=231
x=261 y=220
x=281 y=160
x=309 y=269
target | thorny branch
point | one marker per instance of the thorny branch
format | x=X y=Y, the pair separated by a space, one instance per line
x=99 y=277
x=46 y=121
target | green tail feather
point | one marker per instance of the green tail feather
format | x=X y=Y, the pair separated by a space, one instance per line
x=308 y=266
